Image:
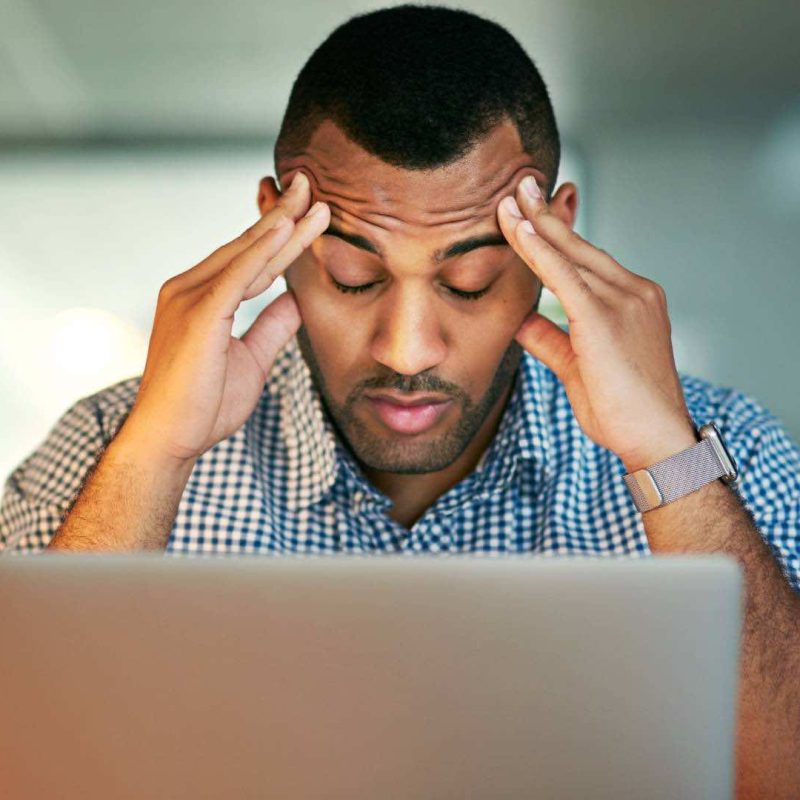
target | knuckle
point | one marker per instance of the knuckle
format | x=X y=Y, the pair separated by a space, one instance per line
x=583 y=286
x=282 y=216
x=606 y=257
x=250 y=235
x=223 y=252
x=168 y=290
x=652 y=291
x=575 y=239
x=233 y=266
x=268 y=240
x=632 y=302
x=195 y=318
x=203 y=298
x=213 y=292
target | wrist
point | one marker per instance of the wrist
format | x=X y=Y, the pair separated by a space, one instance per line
x=663 y=446
x=129 y=502
x=135 y=447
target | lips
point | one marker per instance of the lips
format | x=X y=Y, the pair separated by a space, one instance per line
x=413 y=414
x=408 y=400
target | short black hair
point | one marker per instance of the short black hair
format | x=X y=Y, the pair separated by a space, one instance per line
x=418 y=86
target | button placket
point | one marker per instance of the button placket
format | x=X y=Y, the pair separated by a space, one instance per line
x=357 y=500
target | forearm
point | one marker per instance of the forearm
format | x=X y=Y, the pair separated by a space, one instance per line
x=713 y=520
x=128 y=503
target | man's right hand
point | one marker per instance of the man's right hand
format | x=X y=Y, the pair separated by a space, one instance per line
x=200 y=383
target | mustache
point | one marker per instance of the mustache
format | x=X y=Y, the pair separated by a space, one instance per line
x=410 y=383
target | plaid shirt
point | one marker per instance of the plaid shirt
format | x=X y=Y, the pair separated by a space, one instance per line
x=285 y=483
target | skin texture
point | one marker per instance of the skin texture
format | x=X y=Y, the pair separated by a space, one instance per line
x=409 y=332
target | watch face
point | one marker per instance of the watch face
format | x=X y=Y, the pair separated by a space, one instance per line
x=711 y=432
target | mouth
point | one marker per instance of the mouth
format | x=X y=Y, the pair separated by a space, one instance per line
x=408 y=413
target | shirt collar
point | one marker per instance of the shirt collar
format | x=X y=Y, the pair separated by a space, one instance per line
x=314 y=455
x=538 y=395
x=304 y=428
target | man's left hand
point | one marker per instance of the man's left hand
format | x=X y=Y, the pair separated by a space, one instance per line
x=616 y=362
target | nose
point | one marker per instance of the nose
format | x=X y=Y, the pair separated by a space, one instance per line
x=408 y=338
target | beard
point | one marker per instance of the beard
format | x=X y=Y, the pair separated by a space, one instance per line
x=397 y=454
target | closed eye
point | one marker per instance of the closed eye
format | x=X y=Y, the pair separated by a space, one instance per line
x=364 y=286
x=468 y=295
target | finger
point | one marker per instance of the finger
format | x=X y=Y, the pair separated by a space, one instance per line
x=225 y=291
x=272 y=329
x=609 y=293
x=305 y=232
x=531 y=202
x=544 y=340
x=292 y=204
x=264 y=260
x=555 y=271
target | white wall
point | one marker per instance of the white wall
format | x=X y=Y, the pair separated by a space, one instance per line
x=86 y=240
x=709 y=212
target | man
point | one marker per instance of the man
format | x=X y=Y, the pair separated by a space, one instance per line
x=404 y=395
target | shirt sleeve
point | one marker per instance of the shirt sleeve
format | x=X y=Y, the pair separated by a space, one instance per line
x=769 y=476
x=38 y=494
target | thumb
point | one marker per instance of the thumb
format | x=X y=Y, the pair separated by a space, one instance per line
x=544 y=340
x=272 y=329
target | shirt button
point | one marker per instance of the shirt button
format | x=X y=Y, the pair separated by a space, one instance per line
x=357 y=500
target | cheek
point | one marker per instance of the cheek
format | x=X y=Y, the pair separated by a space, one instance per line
x=339 y=339
x=303 y=277
x=522 y=291
x=326 y=319
x=512 y=302
x=479 y=346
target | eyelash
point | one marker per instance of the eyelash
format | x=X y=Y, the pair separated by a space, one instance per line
x=364 y=286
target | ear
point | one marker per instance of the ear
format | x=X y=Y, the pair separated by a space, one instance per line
x=564 y=203
x=268 y=194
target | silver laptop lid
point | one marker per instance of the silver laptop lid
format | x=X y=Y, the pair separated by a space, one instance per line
x=367 y=677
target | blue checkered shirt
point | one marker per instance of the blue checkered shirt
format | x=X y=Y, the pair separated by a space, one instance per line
x=284 y=482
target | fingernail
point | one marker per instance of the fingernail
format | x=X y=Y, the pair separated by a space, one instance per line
x=531 y=188
x=510 y=205
x=297 y=182
x=526 y=227
x=315 y=209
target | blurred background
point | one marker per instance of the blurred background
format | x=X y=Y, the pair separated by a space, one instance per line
x=133 y=137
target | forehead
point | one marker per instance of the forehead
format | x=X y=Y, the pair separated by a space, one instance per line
x=362 y=189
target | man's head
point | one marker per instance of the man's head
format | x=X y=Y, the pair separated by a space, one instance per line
x=412 y=123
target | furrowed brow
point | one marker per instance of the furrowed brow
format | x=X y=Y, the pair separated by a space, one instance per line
x=353 y=239
x=473 y=243
x=455 y=249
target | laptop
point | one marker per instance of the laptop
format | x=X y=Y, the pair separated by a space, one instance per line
x=380 y=677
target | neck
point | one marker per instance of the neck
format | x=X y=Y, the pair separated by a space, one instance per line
x=412 y=495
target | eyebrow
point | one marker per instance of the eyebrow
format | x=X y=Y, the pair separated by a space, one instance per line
x=455 y=249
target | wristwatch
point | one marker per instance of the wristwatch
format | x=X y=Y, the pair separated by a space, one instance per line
x=684 y=472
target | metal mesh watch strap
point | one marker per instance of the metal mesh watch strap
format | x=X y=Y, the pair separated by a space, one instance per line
x=675 y=476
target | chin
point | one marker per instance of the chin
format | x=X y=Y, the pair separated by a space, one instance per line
x=409 y=455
